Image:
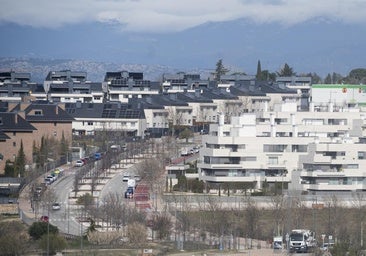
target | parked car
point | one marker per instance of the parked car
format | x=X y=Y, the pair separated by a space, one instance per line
x=129 y=193
x=48 y=181
x=79 y=163
x=39 y=190
x=44 y=218
x=56 y=206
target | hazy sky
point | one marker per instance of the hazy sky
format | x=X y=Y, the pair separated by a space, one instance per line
x=310 y=35
x=176 y=15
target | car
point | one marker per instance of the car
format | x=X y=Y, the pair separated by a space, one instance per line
x=39 y=190
x=129 y=193
x=79 y=163
x=56 y=206
x=52 y=178
x=126 y=177
x=48 y=181
x=44 y=218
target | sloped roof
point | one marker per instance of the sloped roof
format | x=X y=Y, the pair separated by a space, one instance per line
x=50 y=113
x=104 y=110
x=12 y=122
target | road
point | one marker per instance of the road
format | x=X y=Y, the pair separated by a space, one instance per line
x=66 y=219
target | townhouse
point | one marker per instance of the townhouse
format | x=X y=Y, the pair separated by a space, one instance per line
x=91 y=118
x=28 y=123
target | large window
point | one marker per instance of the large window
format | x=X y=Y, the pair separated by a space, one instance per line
x=274 y=148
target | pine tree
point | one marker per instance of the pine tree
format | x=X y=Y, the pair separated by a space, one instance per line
x=20 y=161
x=259 y=71
x=286 y=71
x=220 y=70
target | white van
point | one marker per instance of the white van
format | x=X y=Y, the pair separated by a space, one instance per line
x=131 y=183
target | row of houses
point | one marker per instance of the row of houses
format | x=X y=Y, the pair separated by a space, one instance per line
x=250 y=122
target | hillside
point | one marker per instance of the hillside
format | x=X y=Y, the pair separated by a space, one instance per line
x=39 y=68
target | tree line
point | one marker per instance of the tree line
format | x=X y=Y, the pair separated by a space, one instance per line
x=355 y=76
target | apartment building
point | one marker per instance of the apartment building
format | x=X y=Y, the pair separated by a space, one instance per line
x=93 y=117
x=338 y=94
x=310 y=151
x=181 y=82
x=15 y=86
x=72 y=86
x=123 y=85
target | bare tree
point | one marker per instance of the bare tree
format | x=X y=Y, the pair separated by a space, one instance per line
x=359 y=204
x=137 y=234
x=114 y=210
x=252 y=216
x=161 y=223
x=277 y=202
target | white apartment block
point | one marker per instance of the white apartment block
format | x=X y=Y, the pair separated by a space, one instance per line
x=156 y=118
x=311 y=151
x=180 y=115
x=338 y=94
x=89 y=126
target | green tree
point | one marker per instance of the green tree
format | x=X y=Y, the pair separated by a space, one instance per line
x=186 y=134
x=53 y=243
x=328 y=79
x=358 y=74
x=286 y=70
x=268 y=76
x=64 y=145
x=259 y=75
x=220 y=70
x=38 y=229
x=20 y=159
x=9 y=169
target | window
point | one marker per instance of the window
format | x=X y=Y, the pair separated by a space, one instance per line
x=37 y=112
x=249 y=158
x=90 y=123
x=14 y=144
x=274 y=148
x=273 y=160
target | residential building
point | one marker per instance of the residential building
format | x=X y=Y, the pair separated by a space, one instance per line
x=302 y=150
x=180 y=82
x=29 y=123
x=15 y=86
x=71 y=86
x=338 y=94
x=300 y=83
x=123 y=85
x=111 y=117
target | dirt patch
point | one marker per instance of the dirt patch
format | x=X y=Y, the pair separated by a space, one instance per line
x=8 y=209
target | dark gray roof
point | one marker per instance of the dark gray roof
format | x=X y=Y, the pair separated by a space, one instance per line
x=3 y=136
x=12 y=122
x=196 y=96
x=50 y=113
x=104 y=110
